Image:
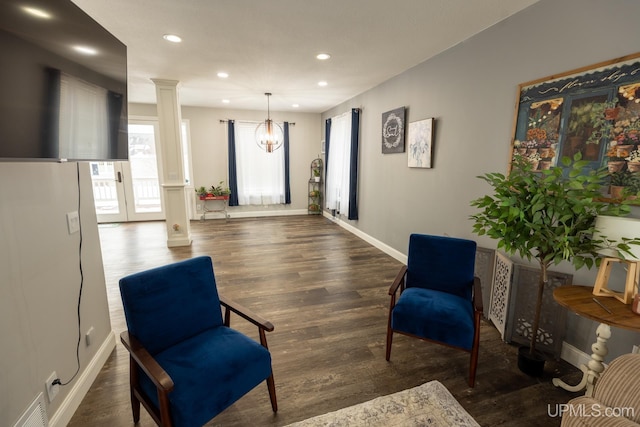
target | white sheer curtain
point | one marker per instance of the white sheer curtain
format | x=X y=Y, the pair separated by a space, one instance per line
x=83 y=120
x=260 y=174
x=338 y=163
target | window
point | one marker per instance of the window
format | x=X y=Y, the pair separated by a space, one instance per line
x=342 y=163
x=186 y=152
x=83 y=120
x=260 y=175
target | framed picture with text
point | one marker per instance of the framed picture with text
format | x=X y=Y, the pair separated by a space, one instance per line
x=393 y=131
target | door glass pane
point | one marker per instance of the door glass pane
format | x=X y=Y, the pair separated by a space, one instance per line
x=144 y=168
x=185 y=153
x=105 y=194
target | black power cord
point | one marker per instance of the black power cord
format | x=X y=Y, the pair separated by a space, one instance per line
x=57 y=381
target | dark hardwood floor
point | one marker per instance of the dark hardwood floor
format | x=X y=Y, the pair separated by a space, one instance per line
x=325 y=290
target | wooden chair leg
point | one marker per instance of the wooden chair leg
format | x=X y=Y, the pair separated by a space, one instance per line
x=473 y=363
x=133 y=382
x=389 y=341
x=135 y=407
x=165 y=412
x=472 y=367
x=272 y=392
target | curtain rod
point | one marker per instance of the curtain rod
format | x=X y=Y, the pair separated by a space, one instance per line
x=249 y=121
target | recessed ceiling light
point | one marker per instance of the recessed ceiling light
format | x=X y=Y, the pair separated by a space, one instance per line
x=323 y=56
x=322 y=83
x=225 y=101
x=295 y=105
x=39 y=13
x=223 y=75
x=172 y=38
x=85 y=50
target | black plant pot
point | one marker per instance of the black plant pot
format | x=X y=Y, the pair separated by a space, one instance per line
x=530 y=364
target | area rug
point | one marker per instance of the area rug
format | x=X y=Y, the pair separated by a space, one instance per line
x=429 y=404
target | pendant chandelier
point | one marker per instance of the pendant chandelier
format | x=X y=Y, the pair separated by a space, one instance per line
x=269 y=135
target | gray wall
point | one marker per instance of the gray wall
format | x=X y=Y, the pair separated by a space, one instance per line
x=40 y=281
x=471 y=90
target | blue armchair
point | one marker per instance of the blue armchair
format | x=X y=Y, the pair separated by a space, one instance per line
x=186 y=364
x=440 y=299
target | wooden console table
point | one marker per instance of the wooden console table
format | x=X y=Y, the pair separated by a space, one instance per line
x=580 y=300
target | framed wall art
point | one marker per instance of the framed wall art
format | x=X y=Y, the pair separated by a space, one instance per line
x=393 y=131
x=420 y=143
x=593 y=110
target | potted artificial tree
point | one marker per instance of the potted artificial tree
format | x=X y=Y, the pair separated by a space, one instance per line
x=550 y=216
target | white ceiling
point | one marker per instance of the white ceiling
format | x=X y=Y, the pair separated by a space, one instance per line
x=270 y=45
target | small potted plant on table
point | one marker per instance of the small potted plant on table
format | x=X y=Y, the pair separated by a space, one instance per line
x=215 y=192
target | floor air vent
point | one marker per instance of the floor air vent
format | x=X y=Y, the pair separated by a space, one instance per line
x=36 y=415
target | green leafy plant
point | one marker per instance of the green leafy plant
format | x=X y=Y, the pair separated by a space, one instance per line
x=201 y=191
x=624 y=178
x=548 y=216
x=590 y=121
x=219 y=190
x=214 y=190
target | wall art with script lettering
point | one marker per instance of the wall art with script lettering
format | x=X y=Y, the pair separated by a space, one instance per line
x=393 y=131
x=593 y=110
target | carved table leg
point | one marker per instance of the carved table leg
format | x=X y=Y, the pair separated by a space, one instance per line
x=593 y=369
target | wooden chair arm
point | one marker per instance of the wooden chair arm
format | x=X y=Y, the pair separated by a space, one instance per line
x=399 y=280
x=477 y=295
x=245 y=313
x=154 y=371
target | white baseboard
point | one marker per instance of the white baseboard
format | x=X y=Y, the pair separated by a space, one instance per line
x=377 y=243
x=64 y=413
x=573 y=355
x=251 y=214
x=256 y=214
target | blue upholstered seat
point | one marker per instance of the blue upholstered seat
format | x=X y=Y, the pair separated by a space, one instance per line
x=174 y=313
x=435 y=315
x=440 y=298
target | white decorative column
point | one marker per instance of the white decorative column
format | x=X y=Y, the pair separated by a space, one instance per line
x=173 y=185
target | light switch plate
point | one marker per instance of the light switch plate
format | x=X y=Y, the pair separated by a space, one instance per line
x=73 y=222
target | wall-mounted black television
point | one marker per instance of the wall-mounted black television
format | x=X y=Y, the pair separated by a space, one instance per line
x=63 y=84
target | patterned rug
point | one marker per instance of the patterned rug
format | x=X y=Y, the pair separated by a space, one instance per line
x=429 y=404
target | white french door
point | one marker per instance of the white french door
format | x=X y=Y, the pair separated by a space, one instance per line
x=130 y=191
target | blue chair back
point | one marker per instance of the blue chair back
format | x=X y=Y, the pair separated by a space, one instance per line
x=441 y=263
x=166 y=305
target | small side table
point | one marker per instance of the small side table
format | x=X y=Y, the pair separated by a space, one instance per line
x=222 y=205
x=580 y=300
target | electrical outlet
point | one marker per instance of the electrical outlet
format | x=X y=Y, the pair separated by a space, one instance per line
x=73 y=222
x=52 y=389
x=88 y=336
x=635 y=349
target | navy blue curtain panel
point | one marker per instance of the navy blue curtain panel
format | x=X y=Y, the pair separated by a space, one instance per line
x=287 y=184
x=353 y=168
x=233 y=172
x=114 y=111
x=51 y=134
x=327 y=133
